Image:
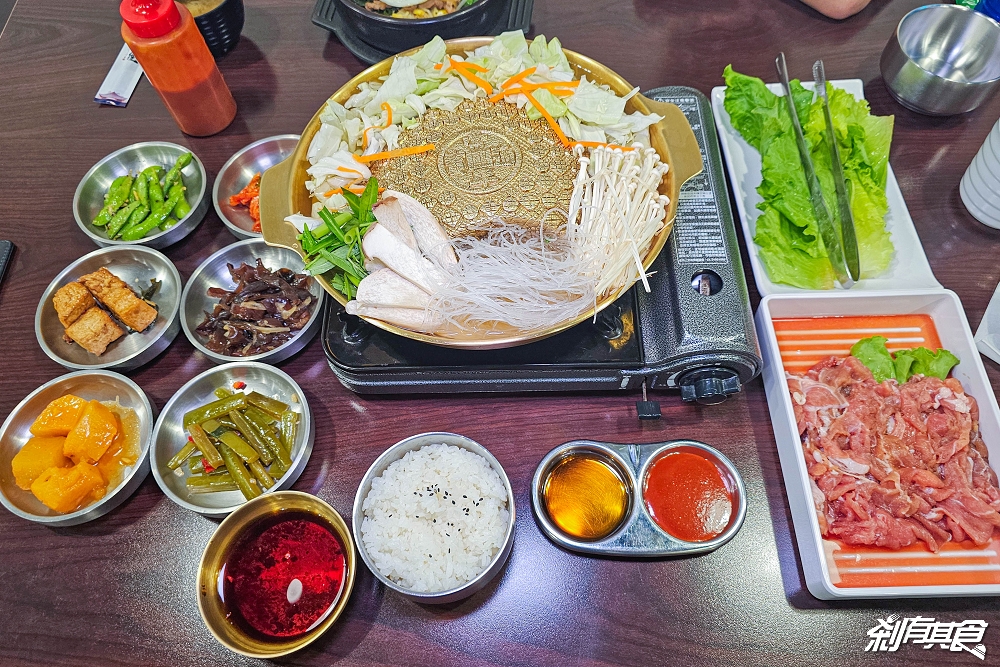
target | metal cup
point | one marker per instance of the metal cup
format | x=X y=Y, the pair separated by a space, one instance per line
x=943 y=60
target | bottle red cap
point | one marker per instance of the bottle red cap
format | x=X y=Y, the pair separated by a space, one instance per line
x=150 y=18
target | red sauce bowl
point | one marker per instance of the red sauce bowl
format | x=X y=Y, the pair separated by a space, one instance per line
x=693 y=493
x=234 y=533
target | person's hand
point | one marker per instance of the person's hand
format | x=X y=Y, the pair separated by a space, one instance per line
x=837 y=9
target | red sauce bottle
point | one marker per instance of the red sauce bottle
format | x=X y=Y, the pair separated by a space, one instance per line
x=173 y=54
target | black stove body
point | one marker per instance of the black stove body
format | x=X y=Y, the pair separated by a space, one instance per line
x=693 y=331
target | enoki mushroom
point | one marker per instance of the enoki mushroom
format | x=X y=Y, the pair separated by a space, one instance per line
x=533 y=282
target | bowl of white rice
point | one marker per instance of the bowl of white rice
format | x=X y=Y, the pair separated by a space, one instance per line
x=434 y=517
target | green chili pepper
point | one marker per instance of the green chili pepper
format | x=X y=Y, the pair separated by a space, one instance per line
x=175 y=171
x=117 y=195
x=140 y=190
x=138 y=215
x=182 y=208
x=260 y=472
x=155 y=192
x=155 y=219
x=119 y=219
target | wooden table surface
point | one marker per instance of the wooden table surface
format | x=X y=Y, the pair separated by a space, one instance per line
x=121 y=591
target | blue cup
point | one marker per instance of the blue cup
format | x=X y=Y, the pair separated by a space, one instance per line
x=989 y=7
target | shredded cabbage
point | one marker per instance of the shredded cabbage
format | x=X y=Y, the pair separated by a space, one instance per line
x=427 y=80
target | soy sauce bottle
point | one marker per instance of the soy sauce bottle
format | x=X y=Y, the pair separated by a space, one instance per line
x=165 y=40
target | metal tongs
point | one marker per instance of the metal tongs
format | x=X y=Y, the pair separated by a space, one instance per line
x=843 y=199
x=827 y=229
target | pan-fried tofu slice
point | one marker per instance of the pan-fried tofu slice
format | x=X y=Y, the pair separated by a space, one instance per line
x=112 y=291
x=71 y=301
x=94 y=331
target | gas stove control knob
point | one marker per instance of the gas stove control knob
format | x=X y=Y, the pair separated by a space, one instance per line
x=709 y=386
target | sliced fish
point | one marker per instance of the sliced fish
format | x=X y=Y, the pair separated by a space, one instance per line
x=381 y=244
x=431 y=237
x=385 y=287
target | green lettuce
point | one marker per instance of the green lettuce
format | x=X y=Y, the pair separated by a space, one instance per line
x=552 y=104
x=787 y=231
x=874 y=354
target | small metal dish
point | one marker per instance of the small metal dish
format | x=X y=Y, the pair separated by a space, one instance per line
x=943 y=60
x=256 y=158
x=89 y=197
x=639 y=535
x=93 y=385
x=395 y=453
x=214 y=272
x=169 y=435
x=137 y=266
x=229 y=534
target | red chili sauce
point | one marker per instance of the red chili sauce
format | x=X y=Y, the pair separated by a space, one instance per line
x=688 y=497
x=284 y=577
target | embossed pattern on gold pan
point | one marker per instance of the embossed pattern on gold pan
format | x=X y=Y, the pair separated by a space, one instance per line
x=283 y=190
x=490 y=161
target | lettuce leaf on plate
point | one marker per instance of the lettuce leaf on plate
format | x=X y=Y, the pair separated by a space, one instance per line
x=874 y=354
x=787 y=232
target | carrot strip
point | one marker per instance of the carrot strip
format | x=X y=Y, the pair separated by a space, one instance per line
x=455 y=64
x=388 y=110
x=439 y=66
x=548 y=117
x=350 y=171
x=399 y=152
x=518 y=77
x=482 y=83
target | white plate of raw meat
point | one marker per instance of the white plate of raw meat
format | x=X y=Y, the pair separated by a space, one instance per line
x=795 y=332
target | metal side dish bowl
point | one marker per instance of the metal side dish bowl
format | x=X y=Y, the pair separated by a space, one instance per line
x=141 y=269
x=943 y=60
x=94 y=385
x=639 y=522
x=89 y=197
x=238 y=171
x=214 y=272
x=169 y=435
x=376 y=470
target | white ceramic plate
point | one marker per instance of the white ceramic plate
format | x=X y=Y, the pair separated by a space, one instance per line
x=833 y=570
x=909 y=268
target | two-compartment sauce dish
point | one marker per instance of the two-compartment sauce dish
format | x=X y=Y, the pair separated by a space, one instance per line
x=663 y=499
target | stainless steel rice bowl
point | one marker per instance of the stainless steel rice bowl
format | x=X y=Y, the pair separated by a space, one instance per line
x=397 y=452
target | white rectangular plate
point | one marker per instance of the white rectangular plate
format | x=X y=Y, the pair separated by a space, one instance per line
x=909 y=268
x=824 y=561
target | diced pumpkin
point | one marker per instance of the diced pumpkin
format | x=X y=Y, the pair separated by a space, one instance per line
x=59 y=417
x=124 y=451
x=66 y=489
x=92 y=435
x=37 y=456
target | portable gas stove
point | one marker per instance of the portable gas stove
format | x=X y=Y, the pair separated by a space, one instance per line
x=694 y=331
